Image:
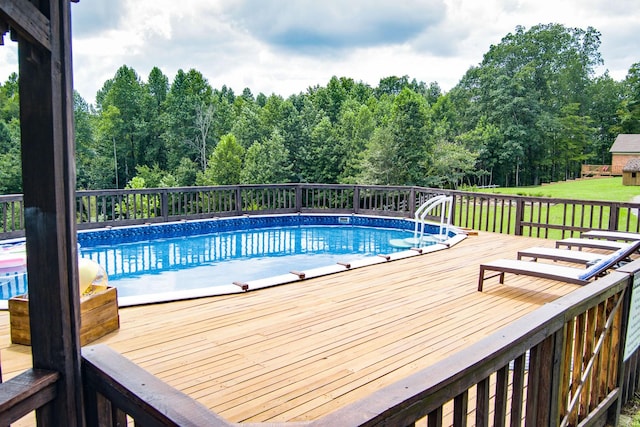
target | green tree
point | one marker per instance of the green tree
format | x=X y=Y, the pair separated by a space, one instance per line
x=10 y=99
x=450 y=164
x=267 y=162
x=225 y=163
x=110 y=121
x=186 y=173
x=521 y=87
x=156 y=90
x=248 y=128
x=629 y=111
x=189 y=91
x=484 y=140
x=330 y=98
x=380 y=159
x=86 y=152
x=126 y=93
x=324 y=151
x=575 y=133
x=605 y=98
x=301 y=115
x=154 y=177
x=10 y=158
x=410 y=121
x=354 y=129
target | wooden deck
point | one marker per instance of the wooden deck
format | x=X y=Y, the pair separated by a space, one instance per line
x=298 y=351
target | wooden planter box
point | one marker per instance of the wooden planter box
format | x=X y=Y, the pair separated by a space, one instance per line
x=98 y=314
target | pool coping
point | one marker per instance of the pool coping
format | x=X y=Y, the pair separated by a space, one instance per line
x=293 y=276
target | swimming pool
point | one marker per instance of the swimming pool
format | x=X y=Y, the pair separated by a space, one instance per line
x=189 y=259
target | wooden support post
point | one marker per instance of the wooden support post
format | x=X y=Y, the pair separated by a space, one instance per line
x=48 y=170
x=614 y=213
x=298 y=198
x=239 y=201
x=411 y=204
x=519 y=216
x=356 y=199
x=164 y=205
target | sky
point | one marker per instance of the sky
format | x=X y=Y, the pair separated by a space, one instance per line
x=286 y=46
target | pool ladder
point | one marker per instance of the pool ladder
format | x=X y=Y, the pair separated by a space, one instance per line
x=446 y=204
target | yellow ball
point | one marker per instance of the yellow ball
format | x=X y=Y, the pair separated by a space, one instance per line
x=93 y=278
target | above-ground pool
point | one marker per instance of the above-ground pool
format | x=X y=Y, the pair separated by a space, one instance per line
x=190 y=259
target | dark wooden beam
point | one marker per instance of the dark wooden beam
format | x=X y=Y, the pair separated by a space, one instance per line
x=134 y=391
x=25 y=392
x=30 y=23
x=48 y=173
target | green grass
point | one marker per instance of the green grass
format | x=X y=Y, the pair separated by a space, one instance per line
x=607 y=189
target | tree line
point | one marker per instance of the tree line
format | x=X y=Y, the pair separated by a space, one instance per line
x=532 y=111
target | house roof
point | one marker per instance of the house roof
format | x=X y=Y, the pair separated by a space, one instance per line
x=626 y=143
x=633 y=165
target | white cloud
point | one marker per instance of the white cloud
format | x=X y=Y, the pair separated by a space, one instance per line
x=284 y=47
x=307 y=26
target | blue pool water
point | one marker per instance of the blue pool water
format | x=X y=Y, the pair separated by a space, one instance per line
x=167 y=265
x=166 y=258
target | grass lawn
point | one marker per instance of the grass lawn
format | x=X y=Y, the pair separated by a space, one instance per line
x=608 y=189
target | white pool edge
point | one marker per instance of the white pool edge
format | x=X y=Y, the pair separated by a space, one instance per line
x=251 y=285
x=283 y=279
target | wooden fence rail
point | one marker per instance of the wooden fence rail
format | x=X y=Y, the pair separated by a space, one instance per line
x=526 y=216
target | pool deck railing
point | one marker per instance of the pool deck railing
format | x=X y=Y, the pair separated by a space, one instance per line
x=518 y=215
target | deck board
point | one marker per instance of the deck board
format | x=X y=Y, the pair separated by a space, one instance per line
x=299 y=351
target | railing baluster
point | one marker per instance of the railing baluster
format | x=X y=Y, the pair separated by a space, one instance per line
x=518 y=387
x=434 y=419
x=482 y=403
x=500 y=406
x=460 y=408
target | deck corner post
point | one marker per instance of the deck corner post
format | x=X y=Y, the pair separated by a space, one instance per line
x=46 y=125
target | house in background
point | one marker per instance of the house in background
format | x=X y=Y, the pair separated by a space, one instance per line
x=626 y=147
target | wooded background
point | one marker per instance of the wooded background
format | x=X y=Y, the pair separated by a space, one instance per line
x=532 y=111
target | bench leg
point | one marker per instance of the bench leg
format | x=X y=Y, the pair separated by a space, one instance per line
x=482 y=278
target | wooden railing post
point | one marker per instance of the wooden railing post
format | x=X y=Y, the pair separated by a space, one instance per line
x=454 y=198
x=614 y=212
x=412 y=202
x=299 y=198
x=559 y=343
x=356 y=199
x=519 y=216
x=164 y=204
x=239 y=201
